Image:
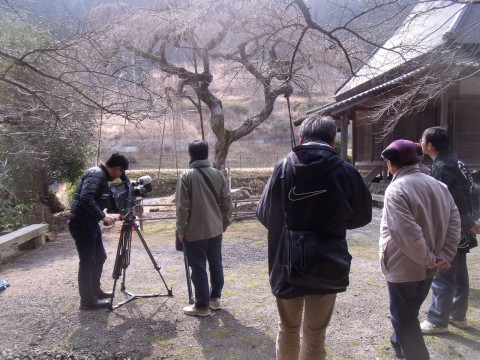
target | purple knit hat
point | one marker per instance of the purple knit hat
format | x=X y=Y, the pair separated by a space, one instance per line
x=401 y=152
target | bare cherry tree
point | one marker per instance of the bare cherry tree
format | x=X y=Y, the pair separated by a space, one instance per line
x=196 y=44
x=54 y=79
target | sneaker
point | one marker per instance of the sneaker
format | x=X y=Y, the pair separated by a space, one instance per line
x=429 y=328
x=462 y=324
x=215 y=304
x=192 y=310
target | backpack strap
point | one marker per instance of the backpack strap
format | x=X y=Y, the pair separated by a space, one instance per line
x=209 y=184
x=282 y=179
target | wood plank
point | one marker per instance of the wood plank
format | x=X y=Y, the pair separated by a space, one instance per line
x=22 y=235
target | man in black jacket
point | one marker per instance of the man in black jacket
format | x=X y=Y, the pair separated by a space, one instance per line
x=451 y=286
x=326 y=195
x=85 y=214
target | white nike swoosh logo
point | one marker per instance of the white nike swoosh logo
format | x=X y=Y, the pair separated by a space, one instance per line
x=293 y=196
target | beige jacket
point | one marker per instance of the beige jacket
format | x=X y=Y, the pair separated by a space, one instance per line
x=420 y=223
x=199 y=214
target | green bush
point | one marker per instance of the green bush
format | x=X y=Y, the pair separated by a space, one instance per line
x=338 y=148
x=13 y=214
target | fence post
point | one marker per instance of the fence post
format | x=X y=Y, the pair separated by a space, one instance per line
x=140 y=220
x=229 y=175
x=235 y=210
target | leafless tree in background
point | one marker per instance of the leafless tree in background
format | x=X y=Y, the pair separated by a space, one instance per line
x=126 y=60
x=134 y=62
x=52 y=84
x=196 y=43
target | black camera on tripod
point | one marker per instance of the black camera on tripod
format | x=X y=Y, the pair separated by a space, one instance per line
x=122 y=198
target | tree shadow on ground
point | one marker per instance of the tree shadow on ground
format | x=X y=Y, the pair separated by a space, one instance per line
x=222 y=336
x=465 y=337
x=474 y=298
x=132 y=332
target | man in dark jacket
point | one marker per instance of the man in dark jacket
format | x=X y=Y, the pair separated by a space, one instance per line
x=85 y=214
x=323 y=194
x=450 y=287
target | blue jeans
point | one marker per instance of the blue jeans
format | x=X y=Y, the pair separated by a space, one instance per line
x=450 y=293
x=198 y=253
x=405 y=302
x=88 y=240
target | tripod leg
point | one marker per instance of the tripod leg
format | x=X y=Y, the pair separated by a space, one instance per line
x=122 y=259
x=152 y=259
x=110 y=307
x=126 y=249
x=117 y=268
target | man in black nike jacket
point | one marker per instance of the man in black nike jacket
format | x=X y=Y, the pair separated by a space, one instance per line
x=324 y=194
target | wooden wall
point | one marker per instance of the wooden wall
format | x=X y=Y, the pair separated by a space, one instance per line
x=466 y=140
x=368 y=142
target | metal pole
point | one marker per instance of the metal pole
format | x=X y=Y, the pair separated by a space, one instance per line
x=199 y=104
x=99 y=137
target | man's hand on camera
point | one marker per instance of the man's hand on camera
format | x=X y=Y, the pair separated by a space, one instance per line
x=108 y=221
x=181 y=237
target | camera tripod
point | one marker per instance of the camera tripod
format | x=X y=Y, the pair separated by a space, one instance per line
x=122 y=261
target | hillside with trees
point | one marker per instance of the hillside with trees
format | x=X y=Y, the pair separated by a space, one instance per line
x=79 y=78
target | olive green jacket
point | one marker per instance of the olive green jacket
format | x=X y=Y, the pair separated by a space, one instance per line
x=199 y=214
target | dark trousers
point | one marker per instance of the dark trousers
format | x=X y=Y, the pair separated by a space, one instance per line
x=88 y=240
x=199 y=252
x=405 y=302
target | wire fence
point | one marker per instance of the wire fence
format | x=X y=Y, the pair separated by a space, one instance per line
x=240 y=156
x=242 y=209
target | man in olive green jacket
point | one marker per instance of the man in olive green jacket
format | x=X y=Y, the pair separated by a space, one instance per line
x=204 y=211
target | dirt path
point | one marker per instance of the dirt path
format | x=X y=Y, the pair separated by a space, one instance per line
x=40 y=317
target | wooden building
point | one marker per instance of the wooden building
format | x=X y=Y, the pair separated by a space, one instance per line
x=427 y=74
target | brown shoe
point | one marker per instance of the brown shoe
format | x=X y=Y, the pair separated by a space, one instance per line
x=95 y=305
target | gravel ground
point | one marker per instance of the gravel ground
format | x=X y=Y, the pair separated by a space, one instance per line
x=40 y=317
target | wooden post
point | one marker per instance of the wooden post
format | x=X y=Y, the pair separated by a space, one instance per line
x=344 y=137
x=235 y=210
x=444 y=109
x=229 y=175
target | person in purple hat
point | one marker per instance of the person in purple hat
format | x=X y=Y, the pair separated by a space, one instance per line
x=419 y=233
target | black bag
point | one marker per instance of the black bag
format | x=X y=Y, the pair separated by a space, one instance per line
x=467 y=240
x=178 y=243
x=310 y=261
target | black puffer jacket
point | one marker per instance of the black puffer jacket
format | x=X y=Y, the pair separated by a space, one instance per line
x=90 y=195
x=447 y=169
x=453 y=173
x=325 y=194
